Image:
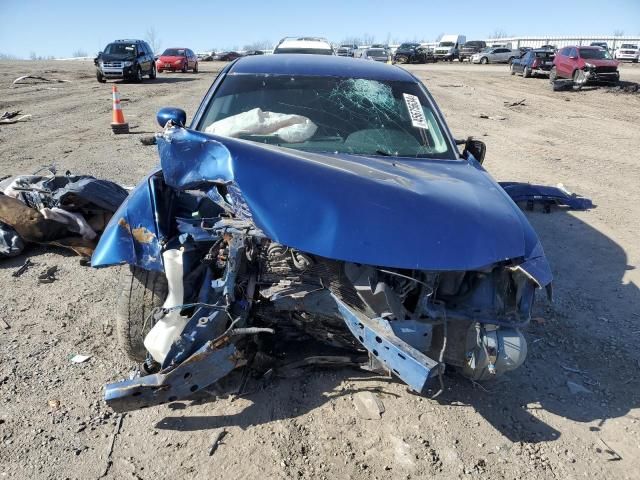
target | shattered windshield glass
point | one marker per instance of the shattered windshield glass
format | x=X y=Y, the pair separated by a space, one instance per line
x=328 y=114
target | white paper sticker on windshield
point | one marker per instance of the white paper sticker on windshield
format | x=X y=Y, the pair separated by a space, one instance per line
x=416 y=113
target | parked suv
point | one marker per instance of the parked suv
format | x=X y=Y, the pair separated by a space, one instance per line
x=127 y=59
x=533 y=62
x=595 y=61
x=628 y=51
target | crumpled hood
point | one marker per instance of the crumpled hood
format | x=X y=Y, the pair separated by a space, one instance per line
x=602 y=62
x=393 y=212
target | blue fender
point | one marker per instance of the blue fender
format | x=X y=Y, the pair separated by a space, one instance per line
x=132 y=236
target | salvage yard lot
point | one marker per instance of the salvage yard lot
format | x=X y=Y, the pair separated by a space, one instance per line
x=54 y=424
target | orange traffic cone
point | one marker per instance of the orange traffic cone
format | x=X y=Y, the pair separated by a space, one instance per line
x=118 y=125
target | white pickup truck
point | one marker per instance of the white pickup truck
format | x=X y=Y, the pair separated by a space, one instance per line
x=495 y=55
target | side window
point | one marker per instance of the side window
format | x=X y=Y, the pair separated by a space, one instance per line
x=563 y=52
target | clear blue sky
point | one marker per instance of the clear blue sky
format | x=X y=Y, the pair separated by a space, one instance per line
x=60 y=27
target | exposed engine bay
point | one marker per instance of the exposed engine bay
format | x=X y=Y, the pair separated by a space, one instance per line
x=233 y=294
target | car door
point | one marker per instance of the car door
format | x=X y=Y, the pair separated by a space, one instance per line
x=523 y=61
x=147 y=59
x=499 y=55
x=560 y=61
x=192 y=57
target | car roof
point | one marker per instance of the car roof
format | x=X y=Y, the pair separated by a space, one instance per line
x=319 y=65
x=304 y=43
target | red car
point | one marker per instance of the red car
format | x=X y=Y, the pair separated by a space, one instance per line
x=594 y=61
x=174 y=59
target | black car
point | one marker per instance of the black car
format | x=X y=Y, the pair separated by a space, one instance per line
x=533 y=62
x=226 y=56
x=126 y=59
x=413 y=53
x=249 y=53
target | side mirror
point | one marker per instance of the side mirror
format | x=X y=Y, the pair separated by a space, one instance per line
x=177 y=116
x=140 y=54
x=477 y=148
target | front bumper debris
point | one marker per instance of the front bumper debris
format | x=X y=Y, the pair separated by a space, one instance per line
x=208 y=365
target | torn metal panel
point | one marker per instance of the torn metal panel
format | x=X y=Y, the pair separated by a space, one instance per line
x=132 y=235
x=409 y=364
x=206 y=366
x=545 y=196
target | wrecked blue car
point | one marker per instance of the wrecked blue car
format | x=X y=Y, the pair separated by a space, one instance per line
x=318 y=199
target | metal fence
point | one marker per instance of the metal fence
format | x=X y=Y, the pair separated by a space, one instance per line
x=535 y=42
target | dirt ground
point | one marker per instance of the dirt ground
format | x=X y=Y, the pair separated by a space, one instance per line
x=55 y=425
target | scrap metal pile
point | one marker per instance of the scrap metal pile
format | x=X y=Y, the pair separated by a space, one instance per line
x=66 y=211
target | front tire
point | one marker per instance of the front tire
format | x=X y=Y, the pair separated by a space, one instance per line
x=185 y=67
x=138 y=74
x=195 y=68
x=512 y=70
x=526 y=73
x=553 y=74
x=484 y=60
x=154 y=72
x=100 y=77
x=140 y=292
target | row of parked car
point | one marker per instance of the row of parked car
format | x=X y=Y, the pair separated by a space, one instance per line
x=134 y=59
x=569 y=62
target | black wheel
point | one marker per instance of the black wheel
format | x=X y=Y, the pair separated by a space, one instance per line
x=140 y=292
x=512 y=70
x=153 y=73
x=100 y=77
x=511 y=59
x=553 y=74
x=185 y=67
x=195 y=68
x=139 y=74
x=484 y=60
x=526 y=73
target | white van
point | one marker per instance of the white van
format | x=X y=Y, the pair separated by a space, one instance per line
x=448 y=47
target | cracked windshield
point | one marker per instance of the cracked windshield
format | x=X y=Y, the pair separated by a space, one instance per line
x=339 y=115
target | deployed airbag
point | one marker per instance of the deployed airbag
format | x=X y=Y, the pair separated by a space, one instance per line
x=289 y=128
